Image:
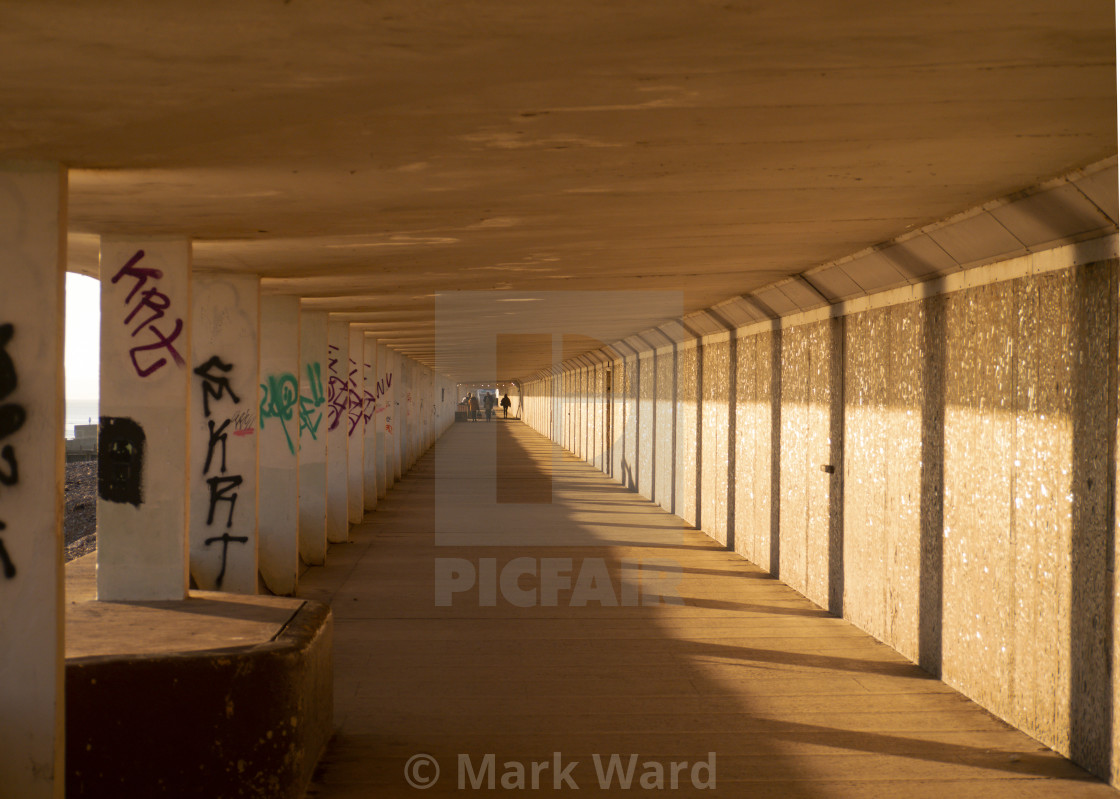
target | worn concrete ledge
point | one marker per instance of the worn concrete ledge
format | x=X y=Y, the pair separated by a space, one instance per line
x=243 y=720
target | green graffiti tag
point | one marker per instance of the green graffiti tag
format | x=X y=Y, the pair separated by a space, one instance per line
x=310 y=417
x=279 y=396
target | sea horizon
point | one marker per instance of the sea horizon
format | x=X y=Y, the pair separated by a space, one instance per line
x=80 y=411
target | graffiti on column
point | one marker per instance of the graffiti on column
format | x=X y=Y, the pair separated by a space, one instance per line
x=154 y=304
x=12 y=417
x=214 y=376
x=369 y=405
x=120 y=460
x=279 y=397
x=215 y=385
x=243 y=422
x=369 y=401
x=338 y=392
x=379 y=390
x=354 y=399
x=310 y=413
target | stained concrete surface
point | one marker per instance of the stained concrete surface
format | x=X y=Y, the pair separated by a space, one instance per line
x=207 y=620
x=793 y=701
x=217 y=695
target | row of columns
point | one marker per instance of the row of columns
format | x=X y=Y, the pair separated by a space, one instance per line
x=238 y=436
x=276 y=408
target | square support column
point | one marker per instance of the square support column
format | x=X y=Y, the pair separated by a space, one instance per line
x=383 y=414
x=406 y=415
x=142 y=506
x=225 y=343
x=278 y=552
x=33 y=251
x=338 y=409
x=313 y=438
x=356 y=425
x=370 y=396
x=399 y=420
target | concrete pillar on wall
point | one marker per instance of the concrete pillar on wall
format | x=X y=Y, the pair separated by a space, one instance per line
x=355 y=425
x=142 y=440
x=32 y=249
x=313 y=437
x=396 y=411
x=382 y=417
x=400 y=428
x=406 y=413
x=279 y=444
x=338 y=406
x=420 y=407
x=430 y=407
x=225 y=343
x=370 y=393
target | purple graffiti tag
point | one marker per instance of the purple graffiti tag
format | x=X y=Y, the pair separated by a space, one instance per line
x=141 y=275
x=157 y=303
x=338 y=394
x=354 y=399
x=161 y=342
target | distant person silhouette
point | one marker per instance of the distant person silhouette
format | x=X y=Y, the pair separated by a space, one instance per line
x=488 y=401
x=505 y=406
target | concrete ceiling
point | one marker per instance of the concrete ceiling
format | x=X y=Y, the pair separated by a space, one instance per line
x=370 y=155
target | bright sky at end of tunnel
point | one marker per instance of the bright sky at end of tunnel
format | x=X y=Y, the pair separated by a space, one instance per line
x=83 y=337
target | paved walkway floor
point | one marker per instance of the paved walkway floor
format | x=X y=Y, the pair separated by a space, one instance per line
x=745 y=676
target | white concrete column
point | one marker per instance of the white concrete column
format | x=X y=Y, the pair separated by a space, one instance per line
x=279 y=444
x=338 y=406
x=396 y=410
x=142 y=507
x=313 y=437
x=407 y=420
x=383 y=412
x=356 y=425
x=33 y=258
x=370 y=470
x=429 y=409
x=225 y=347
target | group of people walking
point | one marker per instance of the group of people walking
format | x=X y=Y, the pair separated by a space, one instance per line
x=488 y=402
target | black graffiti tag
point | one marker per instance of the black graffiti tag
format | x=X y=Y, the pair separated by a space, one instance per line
x=120 y=460
x=215 y=377
x=5 y=560
x=220 y=488
x=217 y=436
x=12 y=477
x=215 y=385
x=12 y=417
x=226 y=540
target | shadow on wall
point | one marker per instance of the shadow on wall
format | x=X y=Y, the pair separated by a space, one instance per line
x=968 y=520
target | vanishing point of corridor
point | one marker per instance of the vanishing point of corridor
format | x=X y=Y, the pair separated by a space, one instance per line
x=635 y=636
